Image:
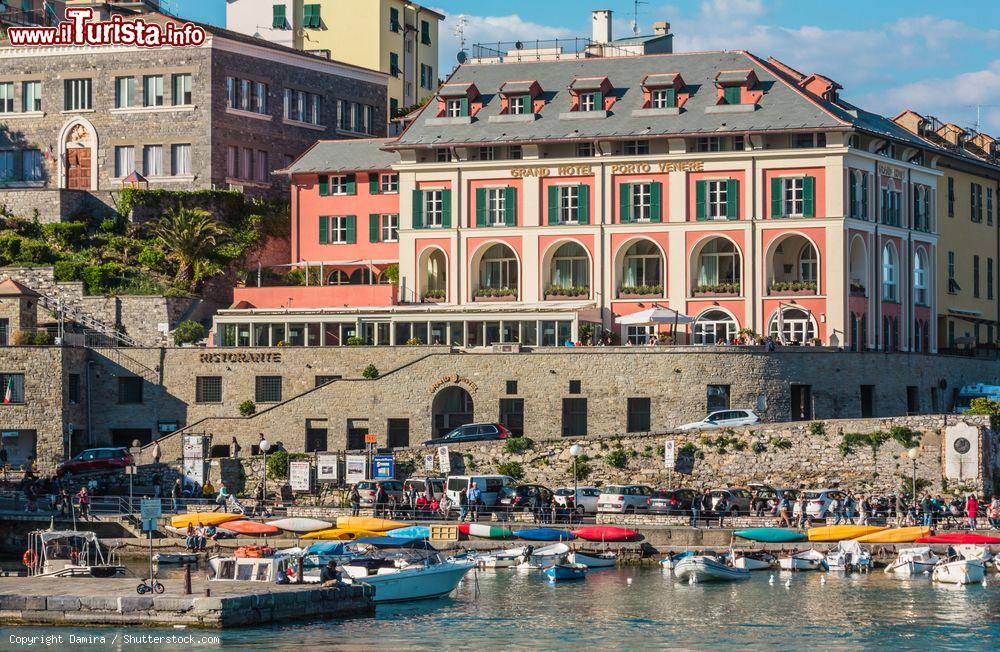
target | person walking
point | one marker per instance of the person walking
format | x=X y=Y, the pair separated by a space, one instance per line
x=721 y=507
x=175 y=493
x=234 y=448
x=803 y=513
x=156 y=452
x=900 y=509
x=849 y=504
x=783 y=512
x=381 y=499
x=695 y=510
x=836 y=508
x=993 y=513
x=222 y=497
x=475 y=497
x=971 y=509
x=463 y=504
x=863 y=510
x=355 y=499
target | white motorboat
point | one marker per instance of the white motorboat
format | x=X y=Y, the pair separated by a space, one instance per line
x=261 y=569
x=501 y=559
x=69 y=553
x=544 y=557
x=405 y=575
x=807 y=560
x=703 y=568
x=959 y=571
x=670 y=561
x=593 y=559
x=175 y=557
x=752 y=560
x=849 y=555
x=913 y=561
x=973 y=552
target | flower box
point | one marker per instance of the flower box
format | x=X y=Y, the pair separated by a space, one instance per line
x=495 y=299
x=633 y=295
x=790 y=293
x=564 y=297
x=434 y=299
x=715 y=293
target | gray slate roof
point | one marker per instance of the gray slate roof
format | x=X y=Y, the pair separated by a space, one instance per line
x=344 y=156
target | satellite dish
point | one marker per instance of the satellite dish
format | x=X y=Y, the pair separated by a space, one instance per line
x=519 y=45
x=462 y=56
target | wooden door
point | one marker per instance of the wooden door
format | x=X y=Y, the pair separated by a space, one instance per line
x=78 y=168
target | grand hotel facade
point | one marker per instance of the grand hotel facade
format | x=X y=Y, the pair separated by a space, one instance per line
x=535 y=203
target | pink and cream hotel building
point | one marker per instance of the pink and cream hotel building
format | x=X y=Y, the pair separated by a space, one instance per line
x=529 y=199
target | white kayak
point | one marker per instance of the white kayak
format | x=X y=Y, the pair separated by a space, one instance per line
x=806 y=560
x=911 y=562
x=175 y=557
x=301 y=524
x=592 y=559
x=700 y=568
x=962 y=571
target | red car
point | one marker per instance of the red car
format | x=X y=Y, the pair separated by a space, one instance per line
x=96 y=459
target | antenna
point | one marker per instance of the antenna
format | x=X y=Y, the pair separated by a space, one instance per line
x=979 y=112
x=635 y=15
x=461 y=22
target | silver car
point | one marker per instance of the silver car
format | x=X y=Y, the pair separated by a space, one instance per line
x=624 y=499
x=723 y=419
x=586 y=498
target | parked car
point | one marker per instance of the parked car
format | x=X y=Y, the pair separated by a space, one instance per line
x=522 y=497
x=471 y=432
x=818 y=501
x=393 y=489
x=672 y=501
x=96 y=459
x=490 y=486
x=738 y=499
x=586 y=498
x=723 y=419
x=420 y=485
x=624 y=499
x=771 y=496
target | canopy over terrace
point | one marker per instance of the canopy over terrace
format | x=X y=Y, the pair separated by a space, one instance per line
x=651 y=317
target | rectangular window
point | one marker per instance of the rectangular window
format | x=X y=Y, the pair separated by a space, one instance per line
x=663 y=98
x=717 y=398
x=31 y=164
x=569 y=204
x=512 y=415
x=124 y=160
x=73 y=389
x=323 y=380
x=181 y=89
x=152 y=90
x=514 y=152
x=180 y=159
x=718 y=197
x=952 y=283
x=442 y=155
x=76 y=95
x=456 y=108
x=394 y=25
x=574 y=417
x=310 y=17
x=152 y=160
x=340 y=230
x=803 y=141
x=793 y=197
x=244 y=95
x=989 y=278
x=636 y=147
x=585 y=150
x=268 y=389
x=511 y=387
x=434 y=208
x=975 y=276
x=732 y=95
x=261 y=171
x=398 y=433
x=709 y=144
x=208 y=389
x=129 y=390
x=258 y=102
x=425 y=32
x=519 y=104
x=638 y=419
x=394 y=64
x=232 y=161
x=12 y=384
x=31 y=96
x=588 y=102
x=487 y=153
x=951 y=197
x=496 y=206
x=739 y=144
x=6 y=165
x=124 y=92
x=574 y=387
x=278 y=20
x=389 y=228
x=389 y=184
x=989 y=205
x=641 y=204
x=340 y=185
x=231 y=83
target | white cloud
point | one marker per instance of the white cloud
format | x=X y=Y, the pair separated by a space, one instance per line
x=492 y=29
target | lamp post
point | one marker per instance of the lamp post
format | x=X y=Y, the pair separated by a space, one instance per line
x=264 y=446
x=575 y=451
x=913 y=453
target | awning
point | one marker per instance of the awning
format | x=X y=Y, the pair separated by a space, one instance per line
x=654 y=315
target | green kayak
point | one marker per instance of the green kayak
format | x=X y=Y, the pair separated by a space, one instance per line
x=771 y=535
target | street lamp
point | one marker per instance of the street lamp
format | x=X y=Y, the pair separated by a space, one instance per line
x=575 y=451
x=264 y=445
x=913 y=453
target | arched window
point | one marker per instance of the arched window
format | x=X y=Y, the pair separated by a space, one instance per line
x=920 y=277
x=807 y=263
x=643 y=266
x=858 y=199
x=890 y=272
x=498 y=269
x=361 y=276
x=792 y=325
x=435 y=274
x=859 y=267
x=713 y=327
x=338 y=277
x=570 y=267
x=718 y=264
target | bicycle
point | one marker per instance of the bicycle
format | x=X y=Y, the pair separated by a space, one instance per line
x=153 y=587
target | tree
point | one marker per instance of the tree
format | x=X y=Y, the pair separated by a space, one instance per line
x=189 y=237
x=985 y=406
x=188 y=332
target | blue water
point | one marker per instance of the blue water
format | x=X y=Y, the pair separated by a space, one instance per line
x=517 y=610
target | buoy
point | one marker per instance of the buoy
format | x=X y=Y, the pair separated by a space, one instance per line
x=629 y=581
x=788 y=583
x=771 y=580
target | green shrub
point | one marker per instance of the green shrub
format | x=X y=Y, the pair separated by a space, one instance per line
x=42 y=338
x=67 y=270
x=616 y=458
x=583 y=469
x=517 y=445
x=513 y=469
x=150 y=257
x=354 y=340
x=35 y=252
x=64 y=235
x=10 y=248
x=110 y=225
x=370 y=372
x=817 y=429
x=758 y=447
x=188 y=332
x=248 y=408
x=781 y=443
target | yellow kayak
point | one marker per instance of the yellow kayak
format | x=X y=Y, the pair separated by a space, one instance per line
x=341 y=534
x=897 y=535
x=205 y=518
x=369 y=523
x=841 y=532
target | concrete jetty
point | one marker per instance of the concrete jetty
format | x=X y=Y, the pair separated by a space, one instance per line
x=91 y=602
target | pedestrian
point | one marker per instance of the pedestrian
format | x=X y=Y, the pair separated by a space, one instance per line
x=849 y=504
x=3 y=459
x=234 y=448
x=900 y=508
x=411 y=496
x=355 y=499
x=156 y=452
x=863 y=510
x=463 y=504
x=783 y=511
x=475 y=498
x=175 y=494
x=993 y=512
x=83 y=498
x=445 y=507
x=259 y=497
x=381 y=499
x=971 y=509
x=222 y=497
x=721 y=507
x=65 y=502
x=803 y=511
x=836 y=509
x=927 y=510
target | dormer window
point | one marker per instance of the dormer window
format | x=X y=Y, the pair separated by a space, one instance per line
x=590 y=98
x=663 y=98
x=589 y=101
x=732 y=95
x=736 y=91
x=519 y=105
x=457 y=108
x=457 y=104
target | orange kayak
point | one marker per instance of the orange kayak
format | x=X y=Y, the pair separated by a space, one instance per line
x=249 y=527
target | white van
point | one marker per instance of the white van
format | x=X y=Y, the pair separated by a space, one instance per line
x=491 y=486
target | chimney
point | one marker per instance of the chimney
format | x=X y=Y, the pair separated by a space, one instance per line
x=602 y=26
x=661 y=28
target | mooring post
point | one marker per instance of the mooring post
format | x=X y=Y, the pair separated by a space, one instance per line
x=187 y=579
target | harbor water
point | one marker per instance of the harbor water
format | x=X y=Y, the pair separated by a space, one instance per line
x=641 y=608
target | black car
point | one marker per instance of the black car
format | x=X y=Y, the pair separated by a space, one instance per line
x=471 y=432
x=672 y=501
x=523 y=496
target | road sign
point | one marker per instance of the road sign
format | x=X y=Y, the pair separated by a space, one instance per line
x=443 y=460
x=428 y=462
x=150 y=512
x=669 y=454
x=371 y=438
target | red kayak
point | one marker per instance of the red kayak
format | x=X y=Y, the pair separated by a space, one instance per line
x=959 y=538
x=605 y=533
x=463 y=528
x=249 y=527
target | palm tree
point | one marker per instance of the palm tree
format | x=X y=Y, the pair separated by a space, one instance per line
x=189 y=236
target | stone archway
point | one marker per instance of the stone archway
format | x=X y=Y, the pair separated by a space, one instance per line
x=78 y=155
x=452 y=407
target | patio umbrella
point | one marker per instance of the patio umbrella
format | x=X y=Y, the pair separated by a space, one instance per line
x=656 y=315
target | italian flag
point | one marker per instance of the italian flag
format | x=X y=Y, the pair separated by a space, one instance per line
x=8 y=393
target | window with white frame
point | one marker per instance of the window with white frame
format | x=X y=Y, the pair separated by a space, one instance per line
x=389 y=225
x=717 y=199
x=709 y=144
x=180 y=159
x=244 y=98
x=77 y=95
x=514 y=152
x=570 y=267
x=519 y=105
x=718 y=264
x=338 y=229
x=496 y=206
x=640 y=201
x=181 y=89
x=858 y=194
x=338 y=185
x=794 y=200
x=569 y=204
x=434 y=207
x=660 y=99
x=152 y=90
x=487 y=153
x=920 y=278
x=454 y=108
x=232 y=161
x=642 y=265
x=498 y=269
x=124 y=92
x=792 y=325
x=636 y=147
x=6 y=165
x=714 y=327
x=890 y=271
x=639 y=335
x=389 y=183
x=124 y=160
x=588 y=102
x=258 y=102
x=442 y=155
x=152 y=160
x=31 y=96
x=808 y=263
x=31 y=164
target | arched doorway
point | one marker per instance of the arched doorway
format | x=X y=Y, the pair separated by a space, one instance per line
x=859 y=267
x=452 y=407
x=792 y=325
x=714 y=327
x=433 y=271
x=78 y=156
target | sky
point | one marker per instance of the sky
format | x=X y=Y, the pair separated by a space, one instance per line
x=888 y=55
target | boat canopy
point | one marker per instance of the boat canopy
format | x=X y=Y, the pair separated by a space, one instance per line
x=397 y=542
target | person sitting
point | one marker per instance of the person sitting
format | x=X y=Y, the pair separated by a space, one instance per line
x=329 y=576
x=434 y=505
x=211 y=533
x=208 y=490
x=421 y=505
x=191 y=539
x=199 y=536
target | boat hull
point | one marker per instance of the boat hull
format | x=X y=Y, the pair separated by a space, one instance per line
x=205 y=518
x=751 y=564
x=341 y=534
x=300 y=524
x=960 y=538
x=910 y=568
x=566 y=572
x=369 y=523
x=593 y=560
x=418 y=584
x=249 y=527
x=484 y=531
x=704 y=569
x=964 y=571
x=544 y=534
x=605 y=533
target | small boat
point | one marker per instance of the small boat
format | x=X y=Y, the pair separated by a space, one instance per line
x=670 y=561
x=753 y=560
x=973 y=552
x=605 y=533
x=175 y=558
x=841 y=532
x=547 y=556
x=203 y=518
x=706 y=568
x=806 y=560
x=370 y=523
x=341 y=534
x=563 y=572
x=771 y=535
x=252 y=528
x=912 y=561
x=896 y=535
x=403 y=575
x=959 y=571
x=501 y=559
x=261 y=567
x=410 y=532
x=849 y=555
x=593 y=558
x=960 y=538
x=484 y=531
x=69 y=553
x=300 y=524
x=544 y=534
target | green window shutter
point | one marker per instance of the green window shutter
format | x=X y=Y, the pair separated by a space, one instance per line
x=352 y=186
x=853 y=195
x=373 y=230
x=777 y=197
x=373 y=186
x=425 y=32
x=671 y=97
x=624 y=203
x=732 y=95
x=278 y=20
x=394 y=64
x=732 y=199
x=864 y=195
x=553 y=205
x=480 y=207
x=324 y=185
x=324 y=229
x=700 y=202
x=465 y=107
x=446 y=209
x=394 y=19
x=352 y=229
x=598 y=101
x=418 y=209
x=583 y=205
x=510 y=206
x=809 y=197
x=656 y=202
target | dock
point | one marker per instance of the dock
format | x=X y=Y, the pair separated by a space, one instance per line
x=114 y=602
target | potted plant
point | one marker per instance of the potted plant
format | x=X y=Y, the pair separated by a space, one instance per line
x=434 y=296
x=495 y=294
x=717 y=290
x=858 y=290
x=566 y=294
x=787 y=288
x=640 y=292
